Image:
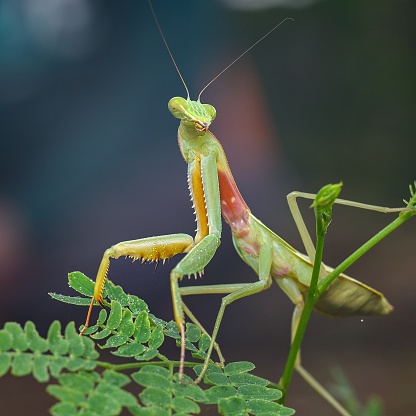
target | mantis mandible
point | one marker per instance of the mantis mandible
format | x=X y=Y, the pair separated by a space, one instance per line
x=214 y=194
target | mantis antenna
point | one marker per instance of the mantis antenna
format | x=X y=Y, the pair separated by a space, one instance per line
x=168 y=49
x=247 y=50
x=225 y=69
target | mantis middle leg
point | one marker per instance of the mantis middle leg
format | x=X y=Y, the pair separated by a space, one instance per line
x=234 y=292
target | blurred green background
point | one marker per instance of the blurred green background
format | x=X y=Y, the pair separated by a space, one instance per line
x=89 y=158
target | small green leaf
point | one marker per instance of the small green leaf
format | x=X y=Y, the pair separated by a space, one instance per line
x=142 y=327
x=102 y=317
x=149 y=354
x=5 y=361
x=81 y=283
x=199 y=355
x=260 y=407
x=157 y=321
x=130 y=350
x=76 y=345
x=137 y=305
x=22 y=365
x=104 y=404
x=116 y=293
x=126 y=326
x=211 y=369
x=72 y=300
x=155 y=369
x=157 y=337
x=6 y=340
x=90 y=330
x=239 y=367
x=35 y=342
x=244 y=378
x=77 y=363
x=250 y=392
x=148 y=411
x=66 y=394
x=40 y=368
x=64 y=409
x=124 y=398
x=115 y=378
x=56 y=365
x=149 y=379
x=102 y=334
x=204 y=342
x=172 y=330
x=18 y=336
x=188 y=345
x=89 y=349
x=115 y=341
x=77 y=382
x=214 y=394
x=181 y=404
x=190 y=391
x=193 y=333
x=115 y=315
x=57 y=344
x=218 y=379
x=231 y=406
x=152 y=396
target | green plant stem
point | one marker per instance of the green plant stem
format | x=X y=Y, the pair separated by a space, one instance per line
x=402 y=218
x=312 y=297
x=315 y=290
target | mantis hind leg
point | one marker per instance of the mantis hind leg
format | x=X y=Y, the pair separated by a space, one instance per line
x=235 y=292
x=294 y=293
x=193 y=318
x=300 y=223
x=308 y=377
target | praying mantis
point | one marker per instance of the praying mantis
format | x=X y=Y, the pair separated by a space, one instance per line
x=214 y=194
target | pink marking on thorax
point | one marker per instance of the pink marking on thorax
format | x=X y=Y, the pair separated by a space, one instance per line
x=233 y=207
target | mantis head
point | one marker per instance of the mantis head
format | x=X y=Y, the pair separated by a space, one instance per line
x=192 y=112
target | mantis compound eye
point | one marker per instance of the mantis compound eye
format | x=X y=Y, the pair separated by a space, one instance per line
x=210 y=110
x=178 y=106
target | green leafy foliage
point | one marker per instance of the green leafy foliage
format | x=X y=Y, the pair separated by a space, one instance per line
x=146 y=384
x=23 y=351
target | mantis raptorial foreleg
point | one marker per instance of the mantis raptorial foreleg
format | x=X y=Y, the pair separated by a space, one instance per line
x=203 y=184
x=294 y=294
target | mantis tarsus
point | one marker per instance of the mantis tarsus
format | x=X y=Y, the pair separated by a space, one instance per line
x=215 y=193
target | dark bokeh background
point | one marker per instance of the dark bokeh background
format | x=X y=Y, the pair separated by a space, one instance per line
x=89 y=158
